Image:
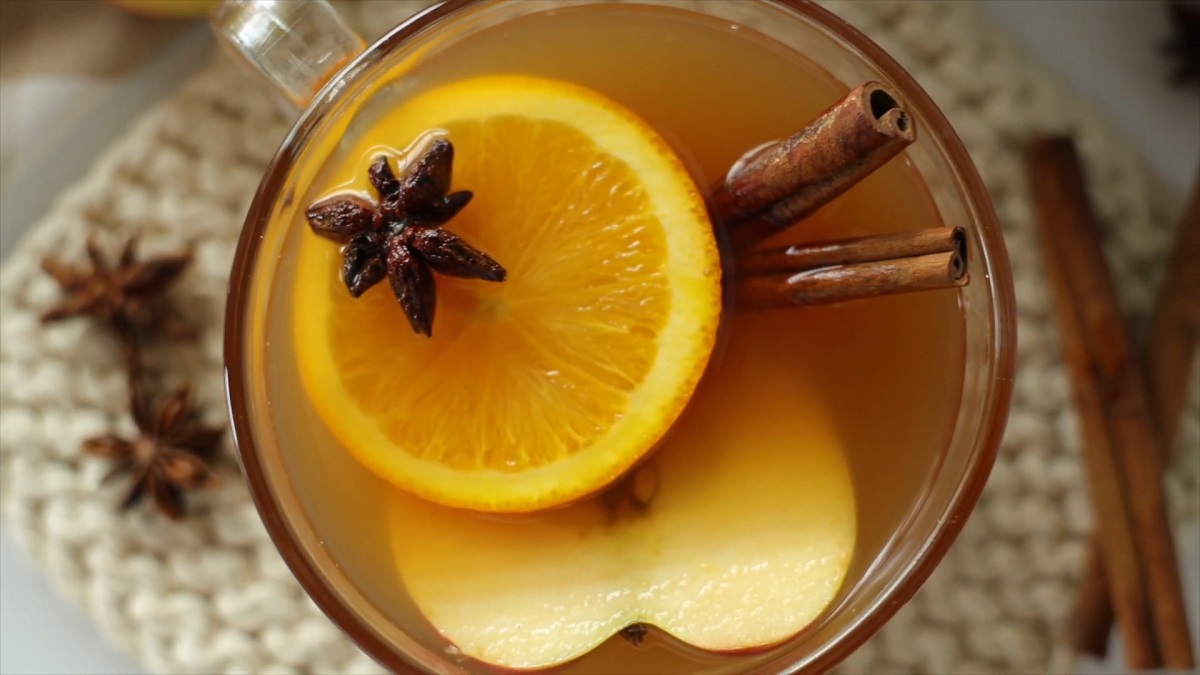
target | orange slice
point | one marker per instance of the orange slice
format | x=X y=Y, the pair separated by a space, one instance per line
x=544 y=388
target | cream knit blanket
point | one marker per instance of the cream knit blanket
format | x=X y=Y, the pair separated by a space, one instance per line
x=211 y=595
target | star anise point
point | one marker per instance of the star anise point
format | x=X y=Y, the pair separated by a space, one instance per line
x=400 y=237
x=168 y=456
x=120 y=293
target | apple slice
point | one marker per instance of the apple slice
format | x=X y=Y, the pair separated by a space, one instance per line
x=746 y=539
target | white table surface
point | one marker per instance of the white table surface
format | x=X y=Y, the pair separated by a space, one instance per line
x=1107 y=51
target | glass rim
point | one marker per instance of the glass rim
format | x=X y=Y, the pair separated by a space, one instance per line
x=994 y=408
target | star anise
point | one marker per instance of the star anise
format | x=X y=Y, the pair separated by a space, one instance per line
x=401 y=237
x=168 y=457
x=122 y=294
x=1183 y=47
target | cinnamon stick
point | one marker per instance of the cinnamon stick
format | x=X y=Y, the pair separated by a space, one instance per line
x=1093 y=615
x=1174 y=339
x=853 y=269
x=798 y=257
x=1175 y=333
x=1119 y=441
x=775 y=186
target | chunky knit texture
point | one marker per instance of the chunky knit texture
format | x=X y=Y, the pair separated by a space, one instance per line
x=211 y=595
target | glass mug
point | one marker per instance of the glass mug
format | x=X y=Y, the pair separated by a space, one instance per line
x=315 y=62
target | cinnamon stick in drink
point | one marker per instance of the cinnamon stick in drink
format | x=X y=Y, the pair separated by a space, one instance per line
x=791 y=259
x=1119 y=439
x=1174 y=340
x=853 y=269
x=780 y=184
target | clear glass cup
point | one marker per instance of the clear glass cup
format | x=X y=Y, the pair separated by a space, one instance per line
x=313 y=60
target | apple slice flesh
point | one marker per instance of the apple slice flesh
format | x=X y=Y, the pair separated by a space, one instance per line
x=746 y=540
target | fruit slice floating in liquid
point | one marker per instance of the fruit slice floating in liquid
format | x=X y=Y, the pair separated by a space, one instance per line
x=542 y=389
x=738 y=547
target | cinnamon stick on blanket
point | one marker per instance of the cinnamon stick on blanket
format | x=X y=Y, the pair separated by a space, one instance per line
x=1120 y=444
x=1170 y=353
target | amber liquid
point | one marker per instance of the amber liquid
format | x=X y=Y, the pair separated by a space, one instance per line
x=888 y=371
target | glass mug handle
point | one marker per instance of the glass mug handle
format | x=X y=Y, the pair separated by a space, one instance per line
x=295 y=44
